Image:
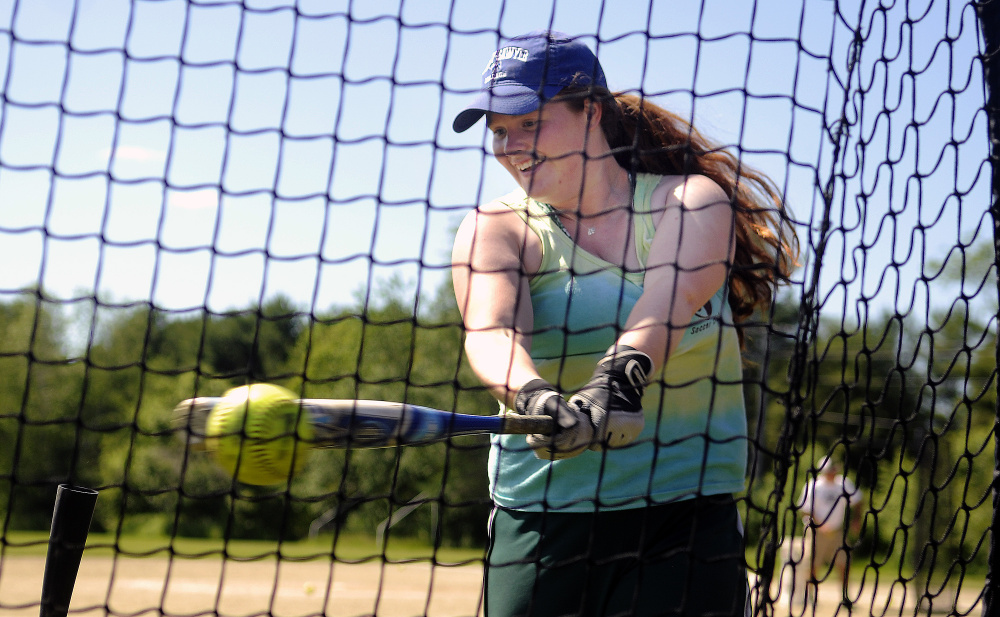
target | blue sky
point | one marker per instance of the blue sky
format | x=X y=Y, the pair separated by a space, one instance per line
x=213 y=154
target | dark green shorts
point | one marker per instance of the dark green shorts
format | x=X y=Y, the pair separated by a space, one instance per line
x=684 y=558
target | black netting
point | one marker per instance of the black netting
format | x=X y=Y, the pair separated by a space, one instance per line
x=197 y=195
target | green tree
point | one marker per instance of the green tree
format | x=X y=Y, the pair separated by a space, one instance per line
x=253 y=345
x=39 y=411
x=386 y=349
x=908 y=401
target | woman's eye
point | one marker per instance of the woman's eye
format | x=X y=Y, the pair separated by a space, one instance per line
x=498 y=132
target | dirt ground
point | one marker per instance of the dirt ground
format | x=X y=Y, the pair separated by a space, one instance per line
x=291 y=589
x=202 y=587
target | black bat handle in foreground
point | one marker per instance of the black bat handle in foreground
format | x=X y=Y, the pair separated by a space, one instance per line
x=71 y=517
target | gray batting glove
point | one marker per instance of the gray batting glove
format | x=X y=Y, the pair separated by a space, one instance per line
x=573 y=431
x=613 y=397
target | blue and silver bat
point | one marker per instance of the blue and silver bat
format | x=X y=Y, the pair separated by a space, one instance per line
x=341 y=423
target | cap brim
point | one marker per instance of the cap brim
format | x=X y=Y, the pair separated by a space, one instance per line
x=509 y=100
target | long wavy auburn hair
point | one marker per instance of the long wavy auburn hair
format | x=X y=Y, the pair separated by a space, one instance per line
x=646 y=138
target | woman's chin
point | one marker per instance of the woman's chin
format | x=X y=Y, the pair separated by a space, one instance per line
x=533 y=190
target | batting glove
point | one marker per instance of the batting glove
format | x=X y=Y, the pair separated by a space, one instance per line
x=573 y=431
x=613 y=397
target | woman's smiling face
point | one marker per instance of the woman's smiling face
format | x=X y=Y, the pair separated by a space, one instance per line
x=544 y=151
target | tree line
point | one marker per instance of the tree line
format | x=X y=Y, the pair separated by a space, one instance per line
x=103 y=417
x=905 y=400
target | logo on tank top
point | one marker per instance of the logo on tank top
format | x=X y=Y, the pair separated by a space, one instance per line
x=704 y=317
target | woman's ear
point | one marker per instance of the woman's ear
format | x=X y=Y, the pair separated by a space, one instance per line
x=594 y=111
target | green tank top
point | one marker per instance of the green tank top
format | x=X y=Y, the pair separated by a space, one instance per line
x=694 y=441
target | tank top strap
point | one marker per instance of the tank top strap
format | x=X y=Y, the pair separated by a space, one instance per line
x=554 y=239
x=643 y=223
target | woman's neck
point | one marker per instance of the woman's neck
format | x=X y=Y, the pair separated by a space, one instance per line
x=607 y=188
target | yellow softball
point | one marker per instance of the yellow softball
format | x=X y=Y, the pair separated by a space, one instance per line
x=259 y=433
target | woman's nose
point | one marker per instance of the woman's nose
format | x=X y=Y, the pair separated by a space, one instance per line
x=515 y=142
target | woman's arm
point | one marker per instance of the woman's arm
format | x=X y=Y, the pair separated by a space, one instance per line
x=493 y=256
x=688 y=262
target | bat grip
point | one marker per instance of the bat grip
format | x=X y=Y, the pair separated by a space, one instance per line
x=71 y=517
x=515 y=424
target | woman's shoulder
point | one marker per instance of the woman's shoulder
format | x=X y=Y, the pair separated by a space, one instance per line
x=499 y=225
x=690 y=192
x=504 y=211
x=698 y=182
x=514 y=201
x=496 y=228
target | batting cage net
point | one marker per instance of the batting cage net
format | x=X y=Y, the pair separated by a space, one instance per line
x=198 y=195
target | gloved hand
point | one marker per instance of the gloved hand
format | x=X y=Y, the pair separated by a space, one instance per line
x=613 y=397
x=573 y=433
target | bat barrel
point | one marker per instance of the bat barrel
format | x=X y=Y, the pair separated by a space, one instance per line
x=190 y=417
x=71 y=517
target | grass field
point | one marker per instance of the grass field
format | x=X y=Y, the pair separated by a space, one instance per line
x=351 y=548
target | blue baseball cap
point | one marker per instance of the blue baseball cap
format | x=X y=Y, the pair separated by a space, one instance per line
x=530 y=69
